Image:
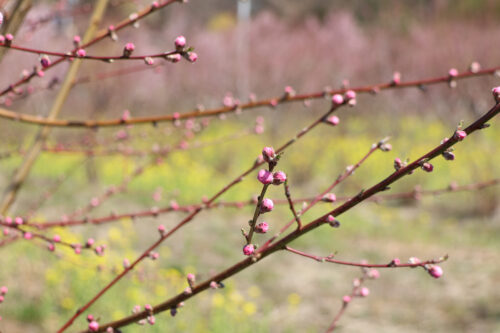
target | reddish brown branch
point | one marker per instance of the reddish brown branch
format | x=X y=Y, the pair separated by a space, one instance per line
x=7 y=114
x=263 y=252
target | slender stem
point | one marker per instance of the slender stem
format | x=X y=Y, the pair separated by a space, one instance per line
x=330 y=259
x=73 y=55
x=257 y=212
x=290 y=204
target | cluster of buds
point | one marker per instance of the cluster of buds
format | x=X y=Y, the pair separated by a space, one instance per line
x=266 y=177
x=7 y=40
x=93 y=324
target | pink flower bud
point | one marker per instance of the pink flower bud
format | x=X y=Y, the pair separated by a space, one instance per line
x=1 y=18
x=45 y=61
x=413 y=260
x=395 y=262
x=192 y=56
x=76 y=40
x=174 y=205
x=453 y=73
x=151 y=320
x=148 y=307
x=94 y=202
x=427 y=167
x=2 y=299
x=28 y=235
x=350 y=95
x=435 y=272
x=99 y=250
x=56 y=238
x=90 y=242
x=126 y=263
x=330 y=197
x=265 y=177
x=261 y=228
x=496 y=94
x=4 y=290
x=81 y=53
x=180 y=43
x=396 y=78
x=268 y=154
x=289 y=92
x=18 y=220
x=161 y=229
x=337 y=99
x=8 y=220
x=174 y=57
x=51 y=247
x=267 y=205
x=6 y=232
x=346 y=299
x=333 y=120
x=248 y=249
x=398 y=164
x=214 y=285
x=90 y=318
x=364 y=292
x=448 y=155
x=460 y=135
x=191 y=278
x=332 y=221
x=93 y=326
x=279 y=177
x=78 y=249
x=128 y=49
x=474 y=67
x=373 y=274
x=9 y=38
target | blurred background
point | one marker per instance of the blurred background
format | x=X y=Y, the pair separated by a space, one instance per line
x=258 y=47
